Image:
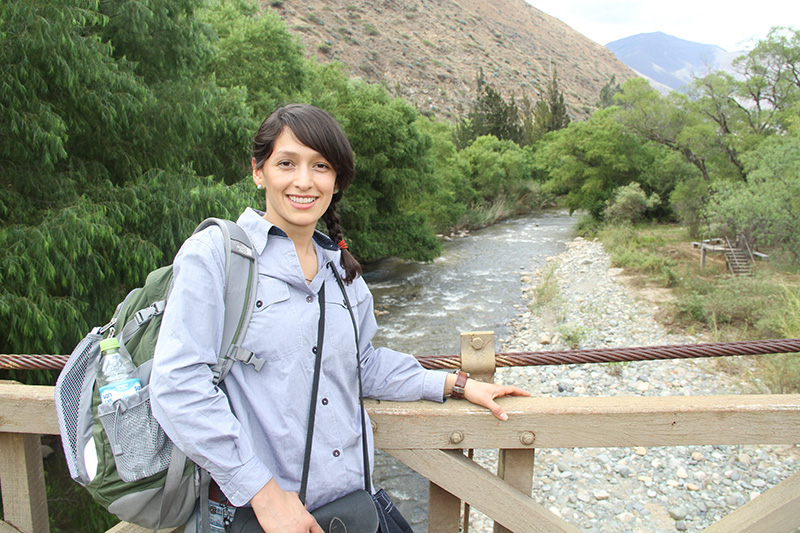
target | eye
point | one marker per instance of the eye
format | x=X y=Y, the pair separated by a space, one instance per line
x=323 y=166
x=284 y=164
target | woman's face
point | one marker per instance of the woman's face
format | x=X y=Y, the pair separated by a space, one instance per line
x=299 y=184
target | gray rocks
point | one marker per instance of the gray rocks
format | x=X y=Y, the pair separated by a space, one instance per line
x=608 y=490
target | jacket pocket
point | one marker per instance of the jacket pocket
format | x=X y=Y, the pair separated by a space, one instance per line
x=274 y=331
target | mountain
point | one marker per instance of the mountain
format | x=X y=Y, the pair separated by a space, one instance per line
x=669 y=61
x=430 y=51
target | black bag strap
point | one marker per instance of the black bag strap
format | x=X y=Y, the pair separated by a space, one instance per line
x=315 y=390
x=312 y=411
x=364 y=448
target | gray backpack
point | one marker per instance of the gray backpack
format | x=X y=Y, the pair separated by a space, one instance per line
x=119 y=452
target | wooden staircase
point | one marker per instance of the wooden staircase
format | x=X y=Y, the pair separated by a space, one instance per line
x=739 y=260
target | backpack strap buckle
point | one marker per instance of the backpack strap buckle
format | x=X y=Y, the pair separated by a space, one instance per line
x=247 y=357
x=235 y=353
x=142 y=316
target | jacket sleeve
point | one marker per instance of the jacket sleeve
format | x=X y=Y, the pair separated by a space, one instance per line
x=388 y=374
x=193 y=412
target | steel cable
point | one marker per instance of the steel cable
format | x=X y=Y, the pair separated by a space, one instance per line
x=608 y=355
x=562 y=357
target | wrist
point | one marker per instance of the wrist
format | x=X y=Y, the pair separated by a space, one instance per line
x=457 y=390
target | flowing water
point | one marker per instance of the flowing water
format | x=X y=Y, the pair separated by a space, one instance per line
x=473 y=286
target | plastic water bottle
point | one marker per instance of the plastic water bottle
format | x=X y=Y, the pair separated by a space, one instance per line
x=117 y=377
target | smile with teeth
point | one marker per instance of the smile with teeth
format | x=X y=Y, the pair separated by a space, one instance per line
x=302 y=199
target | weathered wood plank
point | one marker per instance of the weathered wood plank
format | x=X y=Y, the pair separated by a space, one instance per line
x=590 y=422
x=483 y=490
x=777 y=511
x=27 y=409
x=125 y=527
x=515 y=467
x=444 y=510
x=22 y=483
x=5 y=527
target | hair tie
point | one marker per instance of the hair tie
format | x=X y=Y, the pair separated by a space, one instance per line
x=342 y=245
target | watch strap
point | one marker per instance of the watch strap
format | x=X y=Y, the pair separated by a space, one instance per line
x=461 y=382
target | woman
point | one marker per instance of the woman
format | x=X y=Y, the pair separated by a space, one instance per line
x=251 y=437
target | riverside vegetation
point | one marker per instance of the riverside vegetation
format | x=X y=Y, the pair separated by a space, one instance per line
x=630 y=489
x=662 y=265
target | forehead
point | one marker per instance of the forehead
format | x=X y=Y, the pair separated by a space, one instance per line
x=287 y=143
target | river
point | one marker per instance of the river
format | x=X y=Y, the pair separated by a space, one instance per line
x=473 y=286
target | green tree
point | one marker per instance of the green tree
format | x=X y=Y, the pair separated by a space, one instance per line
x=666 y=121
x=497 y=168
x=588 y=160
x=765 y=208
x=490 y=114
x=549 y=113
x=393 y=165
x=93 y=154
x=771 y=79
x=255 y=51
x=607 y=93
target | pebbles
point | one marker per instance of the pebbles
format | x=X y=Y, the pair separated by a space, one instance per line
x=660 y=489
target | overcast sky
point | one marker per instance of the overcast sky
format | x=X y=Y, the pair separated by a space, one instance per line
x=730 y=25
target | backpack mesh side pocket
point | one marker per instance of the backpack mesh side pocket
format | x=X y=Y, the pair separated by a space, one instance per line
x=140 y=446
x=73 y=396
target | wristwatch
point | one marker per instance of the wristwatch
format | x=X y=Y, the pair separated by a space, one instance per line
x=461 y=382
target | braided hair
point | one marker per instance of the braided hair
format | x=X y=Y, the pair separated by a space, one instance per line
x=319 y=131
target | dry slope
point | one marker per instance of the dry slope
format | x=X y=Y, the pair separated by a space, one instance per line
x=430 y=51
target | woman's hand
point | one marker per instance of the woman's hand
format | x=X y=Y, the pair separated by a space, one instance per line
x=484 y=394
x=279 y=511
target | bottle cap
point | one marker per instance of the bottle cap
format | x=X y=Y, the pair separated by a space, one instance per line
x=110 y=343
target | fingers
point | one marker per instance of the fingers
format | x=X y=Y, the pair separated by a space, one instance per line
x=511 y=390
x=484 y=394
x=497 y=411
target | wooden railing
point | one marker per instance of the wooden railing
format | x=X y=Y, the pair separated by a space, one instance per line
x=431 y=439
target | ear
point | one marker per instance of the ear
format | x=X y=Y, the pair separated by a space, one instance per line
x=258 y=176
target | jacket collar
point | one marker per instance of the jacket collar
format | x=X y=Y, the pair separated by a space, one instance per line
x=259 y=230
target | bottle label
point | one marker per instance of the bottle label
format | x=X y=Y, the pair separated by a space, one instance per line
x=119 y=389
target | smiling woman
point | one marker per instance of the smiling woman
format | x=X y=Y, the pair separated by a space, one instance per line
x=252 y=436
x=299 y=184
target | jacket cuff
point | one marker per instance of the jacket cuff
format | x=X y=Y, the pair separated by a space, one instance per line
x=433 y=385
x=246 y=482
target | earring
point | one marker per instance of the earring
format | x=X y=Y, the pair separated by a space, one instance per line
x=259 y=186
x=336 y=190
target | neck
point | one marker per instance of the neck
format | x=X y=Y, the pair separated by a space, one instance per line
x=301 y=236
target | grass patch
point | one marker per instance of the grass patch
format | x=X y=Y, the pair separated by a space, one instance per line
x=573 y=335
x=546 y=291
x=710 y=301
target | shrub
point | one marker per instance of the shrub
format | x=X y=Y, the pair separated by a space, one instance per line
x=630 y=203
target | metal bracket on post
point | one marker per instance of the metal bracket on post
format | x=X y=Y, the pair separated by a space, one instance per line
x=477 y=355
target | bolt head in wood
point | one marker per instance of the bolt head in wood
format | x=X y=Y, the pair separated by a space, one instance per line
x=527 y=438
x=456 y=437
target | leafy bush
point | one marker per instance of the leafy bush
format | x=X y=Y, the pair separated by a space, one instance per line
x=687 y=200
x=630 y=203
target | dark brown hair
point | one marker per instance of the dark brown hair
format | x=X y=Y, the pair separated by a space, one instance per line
x=319 y=131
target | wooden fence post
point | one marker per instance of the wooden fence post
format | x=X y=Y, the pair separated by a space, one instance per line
x=477 y=358
x=22 y=482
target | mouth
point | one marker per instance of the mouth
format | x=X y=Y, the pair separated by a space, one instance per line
x=302 y=201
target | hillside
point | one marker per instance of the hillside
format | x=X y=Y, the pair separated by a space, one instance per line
x=670 y=61
x=430 y=51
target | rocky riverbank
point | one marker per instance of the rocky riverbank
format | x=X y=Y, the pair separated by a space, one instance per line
x=585 y=304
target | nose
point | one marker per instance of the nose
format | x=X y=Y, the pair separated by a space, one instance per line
x=304 y=177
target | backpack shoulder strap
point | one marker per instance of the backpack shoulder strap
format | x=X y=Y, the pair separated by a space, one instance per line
x=241 y=281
